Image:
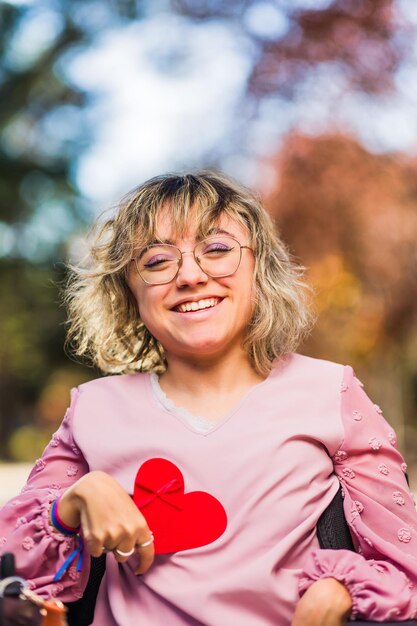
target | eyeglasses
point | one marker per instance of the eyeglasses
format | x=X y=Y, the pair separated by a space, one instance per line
x=217 y=256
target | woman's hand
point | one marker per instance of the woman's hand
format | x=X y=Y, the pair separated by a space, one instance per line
x=108 y=516
x=326 y=603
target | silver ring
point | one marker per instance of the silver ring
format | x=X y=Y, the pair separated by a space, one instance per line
x=146 y=543
x=124 y=554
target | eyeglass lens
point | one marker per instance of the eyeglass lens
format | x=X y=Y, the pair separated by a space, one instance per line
x=217 y=256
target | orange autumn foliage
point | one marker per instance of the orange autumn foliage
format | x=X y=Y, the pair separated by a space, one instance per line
x=351 y=217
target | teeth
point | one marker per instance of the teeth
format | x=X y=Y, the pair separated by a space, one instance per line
x=197 y=306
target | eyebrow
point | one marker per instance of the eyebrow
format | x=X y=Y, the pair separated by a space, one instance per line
x=220 y=231
x=213 y=231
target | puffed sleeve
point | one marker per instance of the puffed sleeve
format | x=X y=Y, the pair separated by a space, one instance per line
x=24 y=521
x=379 y=508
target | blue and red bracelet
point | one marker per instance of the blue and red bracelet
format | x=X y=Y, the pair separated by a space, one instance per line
x=64 y=529
x=57 y=522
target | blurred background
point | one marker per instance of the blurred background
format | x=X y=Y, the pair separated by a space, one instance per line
x=311 y=102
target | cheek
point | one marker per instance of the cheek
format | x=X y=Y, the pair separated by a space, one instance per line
x=248 y=286
x=149 y=303
x=143 y=307
x=250 y=299
x=148 y=318
x=139 y=296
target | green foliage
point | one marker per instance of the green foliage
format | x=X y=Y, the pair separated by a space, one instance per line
x=42 y=132
x=27 y=443
x=31 y=325
x=29 y=318
x=30 y=91
x=41 y=116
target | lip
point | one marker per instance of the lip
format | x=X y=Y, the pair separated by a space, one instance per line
x=202 y=313
x=195 y=299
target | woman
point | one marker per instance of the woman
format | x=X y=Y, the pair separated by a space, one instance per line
x=203 y=468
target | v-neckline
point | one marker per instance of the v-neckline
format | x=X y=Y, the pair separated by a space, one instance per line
x=187 y=418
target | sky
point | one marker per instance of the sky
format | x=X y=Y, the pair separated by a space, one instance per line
x=152 y=115
x=164 y=92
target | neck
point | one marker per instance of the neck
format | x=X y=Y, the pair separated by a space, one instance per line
x=226 y=374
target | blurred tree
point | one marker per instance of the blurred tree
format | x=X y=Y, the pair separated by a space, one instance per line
x=42 y=132
x=34 y=164
x=351 y=217
x=43 y=129
x=32 y=337
x=366 y=39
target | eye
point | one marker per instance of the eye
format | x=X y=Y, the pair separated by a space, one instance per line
x=216 y=247
x=157 y=258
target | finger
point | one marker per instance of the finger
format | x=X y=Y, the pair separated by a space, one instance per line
x=96 y=548
x=146 y=558
x=124 y=551
x=146 y=552
x=128 y=543
x=94 y=544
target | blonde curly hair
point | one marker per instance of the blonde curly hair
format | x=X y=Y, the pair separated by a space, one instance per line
x=104 y=324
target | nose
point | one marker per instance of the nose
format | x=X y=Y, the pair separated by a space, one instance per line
x=190 y=273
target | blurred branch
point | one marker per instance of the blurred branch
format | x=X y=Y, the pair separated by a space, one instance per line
x=362 y=38
x=365 y=39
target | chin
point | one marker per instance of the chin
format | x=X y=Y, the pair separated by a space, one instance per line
x=200 y=348
x=203 y=350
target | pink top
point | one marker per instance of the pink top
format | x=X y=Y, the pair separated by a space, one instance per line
x=274 y=462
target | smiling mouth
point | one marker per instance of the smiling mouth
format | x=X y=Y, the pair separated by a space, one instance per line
x=200 y=305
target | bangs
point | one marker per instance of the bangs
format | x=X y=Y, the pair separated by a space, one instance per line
x=187 y=202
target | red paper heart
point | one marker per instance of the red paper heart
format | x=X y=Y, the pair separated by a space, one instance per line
x=178 y=520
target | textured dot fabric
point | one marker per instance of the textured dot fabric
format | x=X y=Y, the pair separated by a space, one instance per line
x=275 y=462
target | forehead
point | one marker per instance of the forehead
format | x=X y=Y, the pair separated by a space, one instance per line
x=196 y=229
